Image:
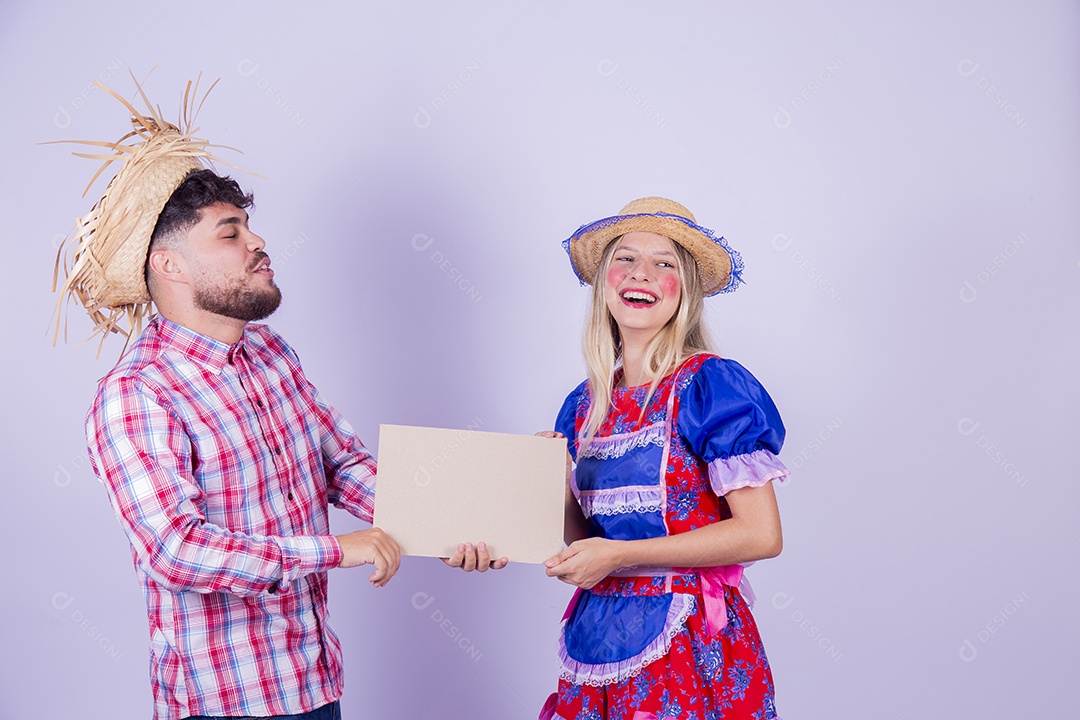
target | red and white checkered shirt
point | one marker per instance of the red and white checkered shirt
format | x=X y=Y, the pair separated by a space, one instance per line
x=220 y=461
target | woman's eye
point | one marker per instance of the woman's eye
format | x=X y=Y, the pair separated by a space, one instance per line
x=666 y=264
x=625 y=258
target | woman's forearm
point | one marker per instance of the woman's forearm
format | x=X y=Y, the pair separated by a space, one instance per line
x=727 y=542
x=752 y=533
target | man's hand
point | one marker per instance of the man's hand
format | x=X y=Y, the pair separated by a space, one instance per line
x=371 y=547
x=470 y=558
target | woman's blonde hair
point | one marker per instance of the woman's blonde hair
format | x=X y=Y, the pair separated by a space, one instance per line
x=684 y=335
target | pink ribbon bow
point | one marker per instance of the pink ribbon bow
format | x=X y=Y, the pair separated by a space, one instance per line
x=713 y=580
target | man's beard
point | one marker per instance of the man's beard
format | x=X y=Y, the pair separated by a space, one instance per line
x=239 y=301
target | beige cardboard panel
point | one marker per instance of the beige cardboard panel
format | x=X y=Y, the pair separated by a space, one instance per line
x=437 y=488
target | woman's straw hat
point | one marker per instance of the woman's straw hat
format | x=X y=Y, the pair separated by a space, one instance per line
x=105 y=272
x=719 y=267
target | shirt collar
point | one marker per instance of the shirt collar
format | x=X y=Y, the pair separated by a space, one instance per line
x=197 y=347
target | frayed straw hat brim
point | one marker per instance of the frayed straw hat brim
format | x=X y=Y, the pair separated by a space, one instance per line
x=104 y=258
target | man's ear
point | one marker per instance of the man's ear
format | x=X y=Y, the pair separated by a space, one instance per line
x=165 y=264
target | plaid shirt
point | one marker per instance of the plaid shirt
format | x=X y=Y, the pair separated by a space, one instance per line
x=219 y=462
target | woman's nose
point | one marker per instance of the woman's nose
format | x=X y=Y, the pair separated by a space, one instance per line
x=640 y=271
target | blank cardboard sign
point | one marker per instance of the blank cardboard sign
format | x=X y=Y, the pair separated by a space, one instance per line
x=437 y=488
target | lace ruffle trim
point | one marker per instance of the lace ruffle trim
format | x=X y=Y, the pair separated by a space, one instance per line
x=606 y=448
x=597 y=675
x=749 y=470
x=619 y=501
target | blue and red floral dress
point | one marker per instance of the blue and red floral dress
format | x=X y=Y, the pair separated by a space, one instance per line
x=668 y=642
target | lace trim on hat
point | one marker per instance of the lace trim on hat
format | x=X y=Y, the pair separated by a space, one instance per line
x=737 y=265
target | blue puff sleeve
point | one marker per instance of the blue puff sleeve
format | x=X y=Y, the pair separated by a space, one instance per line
x=566 y=421
x=728 y=420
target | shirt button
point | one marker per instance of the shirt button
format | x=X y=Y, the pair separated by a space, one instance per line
x=289 y=496
x=258 y=403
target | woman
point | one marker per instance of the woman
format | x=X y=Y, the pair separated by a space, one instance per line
x=675 y=452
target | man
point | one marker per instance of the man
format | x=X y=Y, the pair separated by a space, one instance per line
x=219 y=456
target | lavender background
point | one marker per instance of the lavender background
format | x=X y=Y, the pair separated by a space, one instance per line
x=900 y=177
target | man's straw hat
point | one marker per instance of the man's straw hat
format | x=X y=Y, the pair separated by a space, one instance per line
x=105 y=270
x=719 y=267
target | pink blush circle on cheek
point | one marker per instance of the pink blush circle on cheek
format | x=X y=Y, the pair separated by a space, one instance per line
x=670 y=285
x=615 y=276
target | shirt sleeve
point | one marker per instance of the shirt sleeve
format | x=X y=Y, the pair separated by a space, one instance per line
x=729 y=421
x=350 y=468
x=140 y=452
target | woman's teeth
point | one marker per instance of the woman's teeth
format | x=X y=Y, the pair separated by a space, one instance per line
x=635 y=296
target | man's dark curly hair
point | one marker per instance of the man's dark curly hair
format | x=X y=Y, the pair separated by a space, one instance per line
x=199 y=189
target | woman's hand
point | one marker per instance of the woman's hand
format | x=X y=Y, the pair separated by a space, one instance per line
x=586 y=562
x=469 y=558
x=549 y=434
